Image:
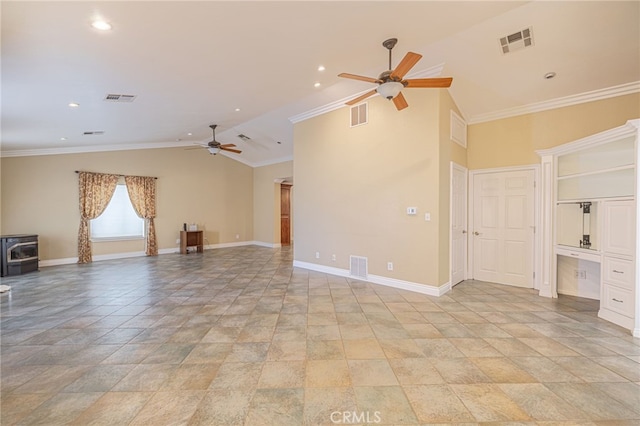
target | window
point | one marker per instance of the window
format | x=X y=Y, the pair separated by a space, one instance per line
x=119 y=220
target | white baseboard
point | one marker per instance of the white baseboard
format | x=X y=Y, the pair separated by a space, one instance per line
x=429 y=290
x=171 y=250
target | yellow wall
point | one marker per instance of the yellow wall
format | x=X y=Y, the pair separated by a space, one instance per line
x=40 y=195
x=513 y=141
x=353 y=186
x=266 y=201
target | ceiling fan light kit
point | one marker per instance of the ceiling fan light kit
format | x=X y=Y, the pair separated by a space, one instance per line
x=390 y=89
x=391 y=82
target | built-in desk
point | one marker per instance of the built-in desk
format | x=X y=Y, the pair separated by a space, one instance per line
x=191 y=239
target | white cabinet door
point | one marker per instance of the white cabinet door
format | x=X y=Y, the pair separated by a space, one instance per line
x=619 y=229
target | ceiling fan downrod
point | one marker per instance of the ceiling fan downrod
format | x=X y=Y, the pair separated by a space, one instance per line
x=389 y=44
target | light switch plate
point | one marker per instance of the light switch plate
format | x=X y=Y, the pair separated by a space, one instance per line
x=427 y=217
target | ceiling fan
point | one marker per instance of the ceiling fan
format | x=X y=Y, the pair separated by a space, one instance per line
x=390 y=83
x=215 y=147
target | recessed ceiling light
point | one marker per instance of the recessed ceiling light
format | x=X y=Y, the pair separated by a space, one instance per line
x=549 y=75
x=101 y=25
x=74 y=104
x=189 y=134
x=316 y=85
x=321 y=68
x=63 y=139
x=237 y=109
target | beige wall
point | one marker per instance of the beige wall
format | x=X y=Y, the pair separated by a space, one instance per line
x=40 y=195
x=353 y=185
x=513 y=141
x=266 y=201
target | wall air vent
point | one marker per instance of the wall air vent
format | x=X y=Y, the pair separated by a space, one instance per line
x=244 y=137
x=119 y=98
x=516 y=41
x=358 y=267
x=94 y=132
x=359 y=114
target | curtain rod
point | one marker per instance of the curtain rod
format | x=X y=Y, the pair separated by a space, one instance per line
x=78 y=171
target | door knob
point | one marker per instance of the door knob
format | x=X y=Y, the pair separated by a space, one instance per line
x=464 y=231
x=476 y=233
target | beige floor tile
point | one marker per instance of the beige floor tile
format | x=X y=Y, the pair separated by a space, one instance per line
x=15 y=407
x=363 y=349
x=356 y=331
x=327 y=373
x=459 y=370
x=415 y=371
x=172 y=407
x=325 y=349
x=237 y=375
x=541 y=403
x=502 y=370
x=401 y=348
x=276 y=407
x=473 y=347
x=371 y=372
x=487 y=403
x=227 y=407
x=326 y=406
x=437 y=403
x=388 y=403
x=592 y=401
x=62 y=408
x=191 y=377
x=287 y=350
x=587 y=370
x=282 y=374
x=102 y=412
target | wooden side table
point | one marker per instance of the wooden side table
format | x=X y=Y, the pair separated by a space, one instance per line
x=191 y=239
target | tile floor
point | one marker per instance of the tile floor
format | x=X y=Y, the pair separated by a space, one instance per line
x=239 y=336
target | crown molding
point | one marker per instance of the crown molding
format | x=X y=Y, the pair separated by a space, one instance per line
x=594 y=95
x=323 y=109
x=94 y=148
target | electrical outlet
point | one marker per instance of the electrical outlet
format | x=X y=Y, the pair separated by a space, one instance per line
x=333 y=257
x=412 y=210
x=317 y=255
x=389 y=266
x=177 y=240
x=237 y=236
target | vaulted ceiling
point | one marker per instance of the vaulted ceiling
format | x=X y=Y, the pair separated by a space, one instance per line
x=251 y=67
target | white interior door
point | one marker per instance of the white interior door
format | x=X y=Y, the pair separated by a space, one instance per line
x=458 y=243
x=503 y=227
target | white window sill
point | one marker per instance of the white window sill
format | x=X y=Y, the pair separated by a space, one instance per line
x=108 y=239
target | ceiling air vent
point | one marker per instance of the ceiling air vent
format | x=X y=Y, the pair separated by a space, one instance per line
x=516 y=41
x=244 y=137
x=119 y=98
x=94 y=132
x=359 y=115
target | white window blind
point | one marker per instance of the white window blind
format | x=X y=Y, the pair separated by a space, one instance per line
x=119 y=220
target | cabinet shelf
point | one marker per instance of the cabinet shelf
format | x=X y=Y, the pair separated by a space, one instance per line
x=597 y=172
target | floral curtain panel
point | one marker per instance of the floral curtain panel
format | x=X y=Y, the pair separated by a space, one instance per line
x=142 y=192
x=96 y=190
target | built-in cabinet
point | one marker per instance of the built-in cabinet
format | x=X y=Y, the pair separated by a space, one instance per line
x=589 y=202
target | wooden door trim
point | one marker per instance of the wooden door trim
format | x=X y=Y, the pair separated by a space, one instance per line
x=538 y=256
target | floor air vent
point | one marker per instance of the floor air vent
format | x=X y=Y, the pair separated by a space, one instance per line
x=358 y=267
x=358 y=115
x=516 y=41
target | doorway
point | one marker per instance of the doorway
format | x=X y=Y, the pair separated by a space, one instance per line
x=285 y=214
x=503 y=227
